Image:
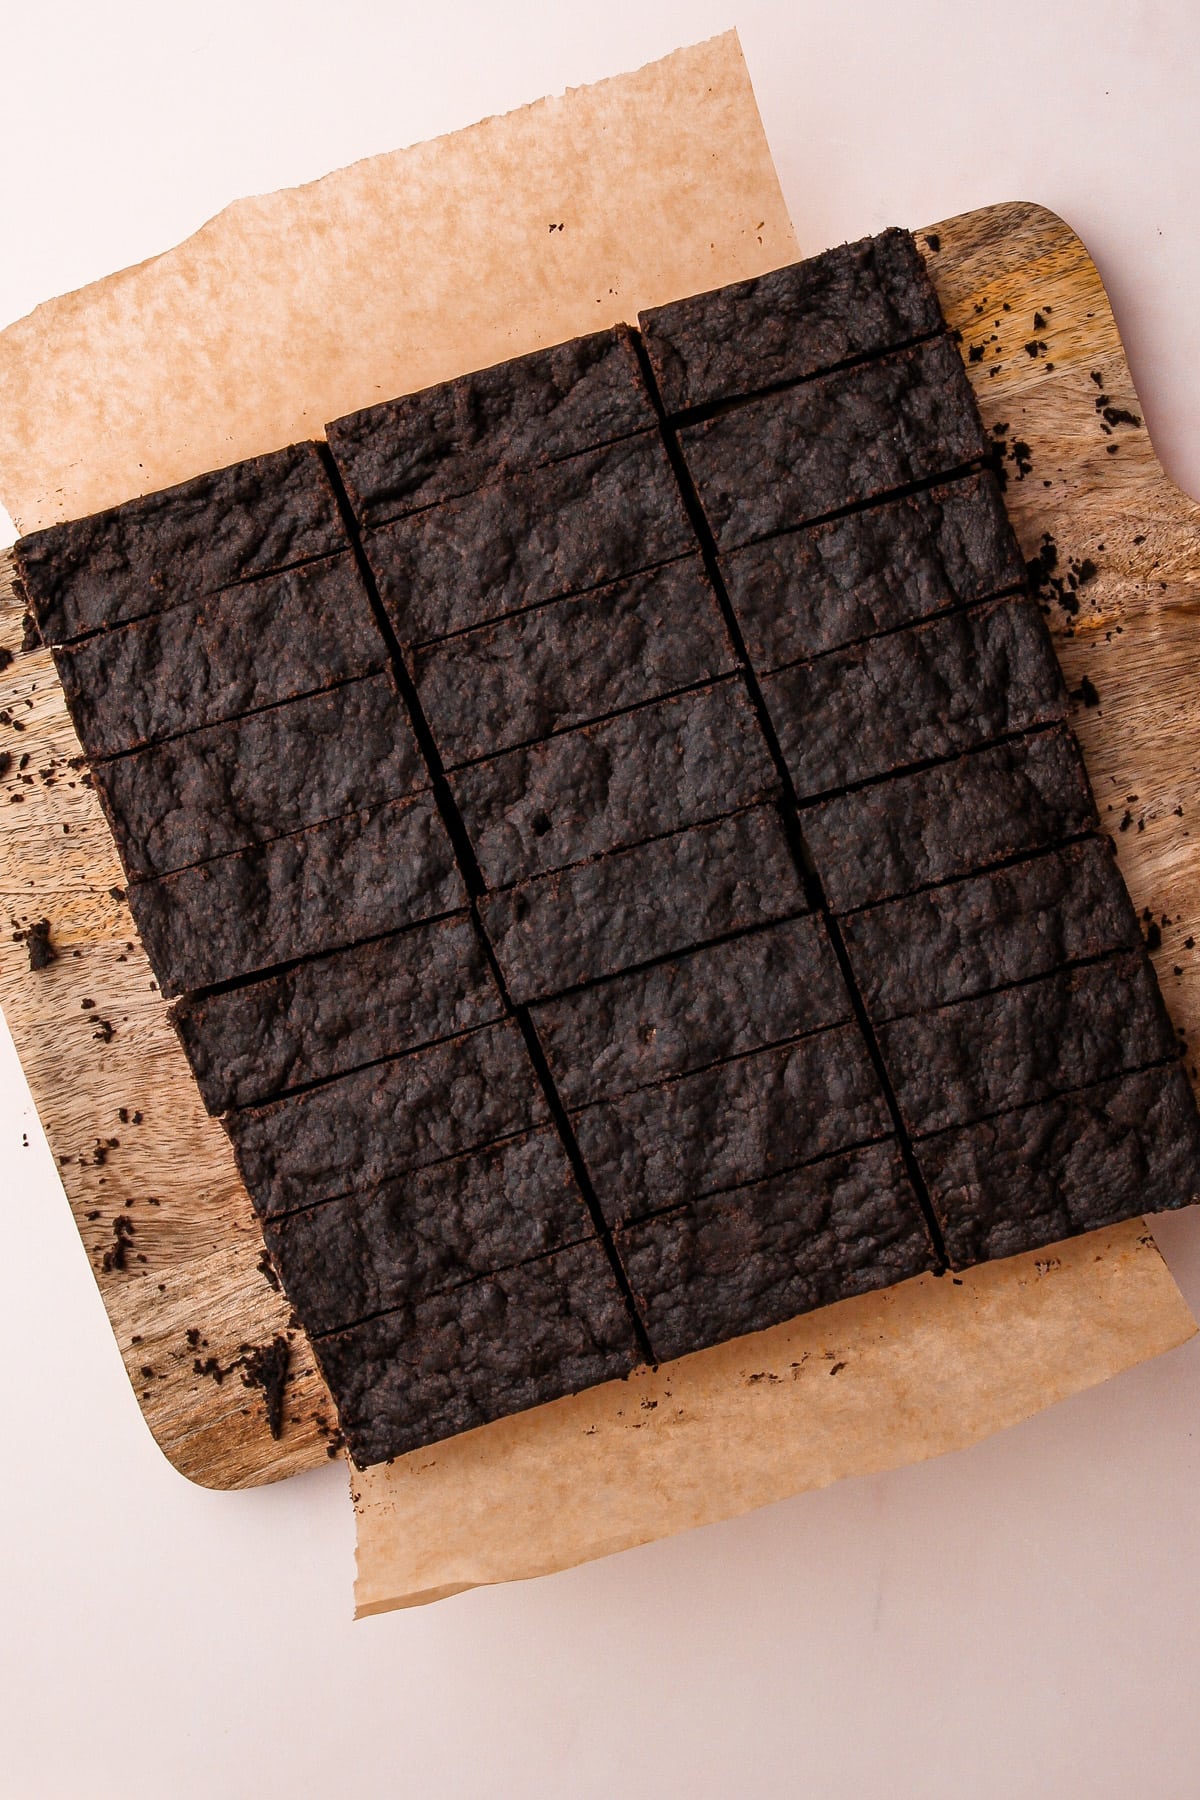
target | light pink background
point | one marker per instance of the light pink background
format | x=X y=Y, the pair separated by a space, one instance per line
x=1020 y=1620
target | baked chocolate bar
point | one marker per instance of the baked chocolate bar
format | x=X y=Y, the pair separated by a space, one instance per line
x=449 y=439
x=351 y=1134
x=643 y=774
x=756 y=1256
x=857 y=300
x=167 y=548
x=703 y=1007
x=541 y=536
x=922 y=694
x=431 y=1229
x=249 y=780
x=331 y=885
x=789 y=458
x=807 y=591
x=460 y=1359
x=579 y=924
x=754 y=1116
x=337 y=1012
x=971 y=936
x=917 y=829
x=565 y=664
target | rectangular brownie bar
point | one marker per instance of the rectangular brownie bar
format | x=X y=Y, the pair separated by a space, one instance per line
x=856 y=300
x=954 y=819
x=705 y=1006
x=351 y=1134
x=1062 y=1031
x=449 y=439
x=598 y=918
x=427 y=1231
x=253 y=779
x=355 y=877
x=741 y=1261
x=249 y=1044
x=812 y=590
x=463 y=1358
x=642 y=774
x=171 y=546
x=564 y=664
x=221 y=656
x=729 y=1125
x=540 y=536
x=929 y=691
x=788 y=458
x=971 y=936
x=1068 y=1165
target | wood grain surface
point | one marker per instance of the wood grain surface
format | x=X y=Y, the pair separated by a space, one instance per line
x=1119 y=555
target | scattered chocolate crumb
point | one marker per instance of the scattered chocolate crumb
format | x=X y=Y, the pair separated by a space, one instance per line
x=266 y=1270
x=193 y=1337
x=105 y=1031
x=36 y=938
x=1039 y=323
x=1189 y=943
x=975 y=353
x=1153 y=935
x=1087 y=693
x=1126 y=821
x=123 y=1114
x=87 y=1005
x=5 y=762
x=1120 y=415
x=117 y=893
x=6 y=656
x=266 y=1367
x=934 y=241
x=114 y=1258
x=837 y=1368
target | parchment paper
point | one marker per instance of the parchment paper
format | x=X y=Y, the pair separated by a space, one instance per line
x=292 y=308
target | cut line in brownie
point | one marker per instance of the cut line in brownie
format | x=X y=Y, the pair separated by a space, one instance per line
x=1067 y=1030
x=915 y=830
x=541 y=536
x=325 y=1017
x=698 y=1008
x=836 y=442
x=429 y=1230
x=577 y=925
x=1075 y=1163
x=645 y=773
x=759 y=1255
x=858 y=299
x=927 y=692
x=249 y=780
x=752 y=1117
x=452 y=438
x=808 y=591
x=356 y=877
x=460 y=1359
x=572 y=661
x=987 y=931
x=359 y=1130
x=174 y=545
x=221 y=656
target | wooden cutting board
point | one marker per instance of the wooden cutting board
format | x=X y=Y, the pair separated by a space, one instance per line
x=1119 y=551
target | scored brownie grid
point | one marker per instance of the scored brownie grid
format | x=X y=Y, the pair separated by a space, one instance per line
x=857 y=562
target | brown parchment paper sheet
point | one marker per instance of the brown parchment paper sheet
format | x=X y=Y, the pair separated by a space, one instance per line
x=291 y=308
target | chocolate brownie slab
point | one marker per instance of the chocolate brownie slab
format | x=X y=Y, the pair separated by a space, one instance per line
x=542 y=536
x=449 y=439
x=463 y=1358
x=223 y=655
x=858 y=299
x=642 y=774
x=561 y=665
x=169 y=547
x=753 y=1257
x=432 y=1229
x=1066 y=1030
x=362 y=1129
x=323 y=1018
x=913 y=830
x=971 y=936
x=655 y=900
x=253 y=779
x=808 y=591
x=788 y=458
x=753 y=1117
x=926 y=692
x=1068 y=1165
x=699 y=1008
x=356 y=877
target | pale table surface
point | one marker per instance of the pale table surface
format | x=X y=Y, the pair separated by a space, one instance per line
x=1022 y=1619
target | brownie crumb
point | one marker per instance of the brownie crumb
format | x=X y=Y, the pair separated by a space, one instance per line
x=36 y=938
x=267 y=1271
x=6 y=657
x=266 y=1367
x=934 y=241
x=1154 y=935
x=31 y=637
x=123 y=1229
x=1087 y=692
